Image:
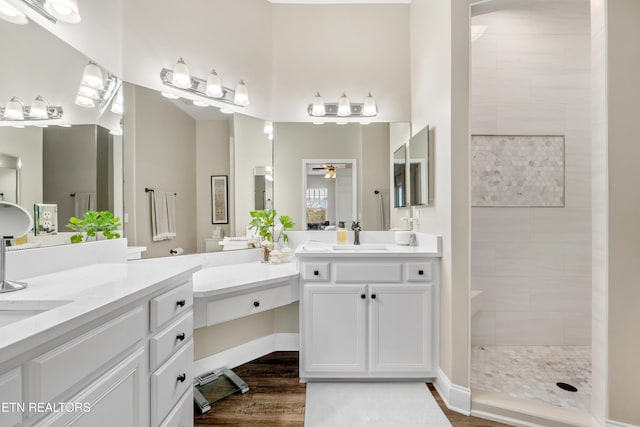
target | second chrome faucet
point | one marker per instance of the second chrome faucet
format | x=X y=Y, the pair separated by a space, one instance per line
x=355 y=226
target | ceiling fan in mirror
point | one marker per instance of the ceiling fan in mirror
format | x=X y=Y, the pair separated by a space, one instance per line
x=329 y=168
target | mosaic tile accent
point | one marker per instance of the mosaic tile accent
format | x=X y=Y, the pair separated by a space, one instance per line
x=531 y=372
x=517 y=170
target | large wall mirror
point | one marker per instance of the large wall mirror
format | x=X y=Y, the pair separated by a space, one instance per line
x=400 y=177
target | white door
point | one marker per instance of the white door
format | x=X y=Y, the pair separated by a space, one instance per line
x=334 y=329
x=344 y=197
x=400 y=329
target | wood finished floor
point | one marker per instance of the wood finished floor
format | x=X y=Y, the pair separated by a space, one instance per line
x=276 y=398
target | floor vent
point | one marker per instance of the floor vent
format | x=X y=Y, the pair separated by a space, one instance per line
x=567 y=387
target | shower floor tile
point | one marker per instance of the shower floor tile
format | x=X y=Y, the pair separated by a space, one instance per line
x=531 y=372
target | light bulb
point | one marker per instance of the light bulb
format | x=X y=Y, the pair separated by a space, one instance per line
x=317 y=106
x=11 y=14
x=39 y=108
x=64 y=10
x=344 y=106
x=89 y=92
x=181 y=77
x=242 y=94
x=369 y=108
x=83 y=101
x=117 y=105
x=92 y=76
x=14 y=110
x=268 y=127
x=214 y=85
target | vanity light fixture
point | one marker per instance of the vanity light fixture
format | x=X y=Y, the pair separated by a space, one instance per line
x=117 y=130
x=270 y=137
x=169 y=95
x=89 y=92
x=64 y=125
x=97 y=90
x=83 y=101
x=200 y=104
x=268 y=127
x=117 y=105
x=226 y=111
x=11 y=14
x=63 y=10
x=211 y=88
x=92 y=76
x=39 y=109
x=343 y=108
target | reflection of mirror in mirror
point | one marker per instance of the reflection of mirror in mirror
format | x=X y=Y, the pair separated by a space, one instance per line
x=9 y=178
x=400 y=177
x=329 y=192
x=419 y=168
x=263 y=187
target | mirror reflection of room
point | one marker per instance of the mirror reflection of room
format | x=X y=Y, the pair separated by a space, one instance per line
x=400 y=177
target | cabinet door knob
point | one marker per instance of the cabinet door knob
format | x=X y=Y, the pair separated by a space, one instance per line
x=256 y=303
x=363 y=296
x=373 y=296
x=421 y=272
x=316 y=273
x=181 y=303
x=180 y=336
x=182 y=377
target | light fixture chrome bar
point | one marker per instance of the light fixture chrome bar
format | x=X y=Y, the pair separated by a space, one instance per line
x=199 y=87
x=38 y=6
x=331 y=110
x=111 y=86
x=53 y=113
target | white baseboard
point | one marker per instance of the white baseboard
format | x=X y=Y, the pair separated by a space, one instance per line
x=611 y=423
x=247 y=352
x=456 y=398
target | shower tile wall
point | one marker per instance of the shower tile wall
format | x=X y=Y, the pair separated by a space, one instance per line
x=530 y=75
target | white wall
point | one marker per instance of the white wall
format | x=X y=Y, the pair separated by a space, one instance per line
x=334 y=48
x=534 y=264
x=212 y=158
x=27 y=144
x=251 y=148
x=234 y=37
x=374 y=173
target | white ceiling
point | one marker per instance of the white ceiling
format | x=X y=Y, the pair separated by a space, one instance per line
x=341 y=1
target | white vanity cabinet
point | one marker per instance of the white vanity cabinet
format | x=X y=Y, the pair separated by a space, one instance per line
x=367 y=317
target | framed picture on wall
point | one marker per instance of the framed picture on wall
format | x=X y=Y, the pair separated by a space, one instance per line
x=219 y=199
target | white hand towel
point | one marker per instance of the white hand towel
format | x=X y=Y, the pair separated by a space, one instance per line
x=162 y=217
x=83 y=202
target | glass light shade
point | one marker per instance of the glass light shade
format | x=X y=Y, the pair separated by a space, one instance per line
x=344 y=106
x=14 y=110
x=268 y=127
x=11 y=14
x=92 y=76
x=64 y=125
x=117 y=106
x=116 y=131
x=242 y=94
x=214 y=85
x=270 y=137
x=89 y=92
x=169 y=95
x=64 y=10
x=226 y=111
x=317 y=106
x=83 y=101
x=181 y=77
x=268 y=177
x=369 y=108
x=39 y=108
x=200 y=104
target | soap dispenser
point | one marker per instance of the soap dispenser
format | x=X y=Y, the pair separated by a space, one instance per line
x=342 y=233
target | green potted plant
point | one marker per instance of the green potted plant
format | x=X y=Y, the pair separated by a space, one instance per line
x=264 y=222
x=93 y=222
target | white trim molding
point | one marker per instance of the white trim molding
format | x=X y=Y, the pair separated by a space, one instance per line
x=247 y=352
x=611 y=423
x=456 y=398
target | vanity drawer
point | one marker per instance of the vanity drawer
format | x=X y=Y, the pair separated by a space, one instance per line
x=222 y=310
x=170 y=304
x=69 y=364
x=368 y=273
x=166 y=342
x=419 y=271
x=182 y=414
x=315 y=271
x=170 y=382
x=11 y=391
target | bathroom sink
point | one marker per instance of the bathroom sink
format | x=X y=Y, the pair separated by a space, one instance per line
x=14 y=311
x=363 y=247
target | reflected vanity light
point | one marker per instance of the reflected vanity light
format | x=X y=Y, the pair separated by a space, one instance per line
x=200 y=104
x=343 y=108
x=211 y=88
x=270 y=137
x=64 y=125
x=39 y=110
x=169 y=95
x=11 y=14
x=268 y=127
x=226 y=111
x=64 y=10
x=117 y=106
x=92 y=76
x=97 y=90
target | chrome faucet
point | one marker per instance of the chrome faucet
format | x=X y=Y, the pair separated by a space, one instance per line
x=356 y=232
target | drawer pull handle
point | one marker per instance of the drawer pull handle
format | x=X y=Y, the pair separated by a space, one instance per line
x=421 y=272
x=181 y=303
x=180 y=336
x=316 y=273
x=256 y=303
x=182 y=377
x=363 y=296
x=373 y=296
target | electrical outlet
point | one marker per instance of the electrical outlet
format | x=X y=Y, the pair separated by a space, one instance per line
x=45 y=218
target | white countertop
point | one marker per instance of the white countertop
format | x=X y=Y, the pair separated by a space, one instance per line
x=78 y=296
x=365 y=250
x=213 y=281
